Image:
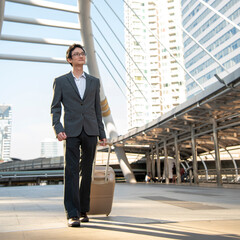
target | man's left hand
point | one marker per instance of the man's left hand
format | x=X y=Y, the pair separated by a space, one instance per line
x=103 y=142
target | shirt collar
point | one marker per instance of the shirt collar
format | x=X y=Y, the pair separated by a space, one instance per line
x=83 y=75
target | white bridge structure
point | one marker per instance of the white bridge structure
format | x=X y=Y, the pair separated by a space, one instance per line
x=84 y=26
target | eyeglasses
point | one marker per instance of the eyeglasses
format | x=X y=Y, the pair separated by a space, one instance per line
x=82 y=54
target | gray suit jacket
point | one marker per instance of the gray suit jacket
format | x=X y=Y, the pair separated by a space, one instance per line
x=78 y=113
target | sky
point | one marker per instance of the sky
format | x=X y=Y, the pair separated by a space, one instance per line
x=27 y=86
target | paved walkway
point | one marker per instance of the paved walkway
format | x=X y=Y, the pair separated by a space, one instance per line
x=140 y=211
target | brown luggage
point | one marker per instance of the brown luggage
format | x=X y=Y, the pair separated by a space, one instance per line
x=102 y=189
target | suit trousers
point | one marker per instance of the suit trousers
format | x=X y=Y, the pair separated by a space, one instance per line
x=78 y=172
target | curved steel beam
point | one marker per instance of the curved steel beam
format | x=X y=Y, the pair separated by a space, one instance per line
x=235 y=165
x=42 y=22
x=205 y=167
x=49 y=41
x=47 y=4
x=2 y=7
x=87 y=39
x=32 y=58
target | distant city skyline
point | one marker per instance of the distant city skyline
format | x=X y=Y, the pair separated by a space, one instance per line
x=5 y=132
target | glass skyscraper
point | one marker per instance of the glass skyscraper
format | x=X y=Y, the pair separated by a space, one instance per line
x=5 y=132
x=218 y=36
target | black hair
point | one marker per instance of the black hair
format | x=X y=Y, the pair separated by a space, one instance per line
x=71 y=48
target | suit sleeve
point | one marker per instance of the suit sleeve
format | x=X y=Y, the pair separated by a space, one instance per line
x=99 y=113
x=56 y=108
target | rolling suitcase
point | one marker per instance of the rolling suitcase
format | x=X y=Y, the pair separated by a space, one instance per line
x=102 y=188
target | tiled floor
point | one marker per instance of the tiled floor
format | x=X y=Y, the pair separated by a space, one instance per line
x=140 y=211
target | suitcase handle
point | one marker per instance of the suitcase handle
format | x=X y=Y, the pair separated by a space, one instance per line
x=107 y=165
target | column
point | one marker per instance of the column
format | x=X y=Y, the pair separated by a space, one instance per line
x=2 y=7
x=152 y=162
x=158 y=163
x=166 y=167
x=177 y=156
x=148 y=163
x=217 y=153
x=194 y=155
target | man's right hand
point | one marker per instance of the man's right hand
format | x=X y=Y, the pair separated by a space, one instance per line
x=61 y=136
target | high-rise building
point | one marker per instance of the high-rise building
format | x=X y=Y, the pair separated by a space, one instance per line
x=155 y=79
x=219 y=37
x=50 y=148
x=5 y=131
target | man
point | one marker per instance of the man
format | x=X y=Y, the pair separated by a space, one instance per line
x=78 y=92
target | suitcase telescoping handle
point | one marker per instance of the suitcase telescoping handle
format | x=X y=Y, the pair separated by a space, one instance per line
x=107 y=165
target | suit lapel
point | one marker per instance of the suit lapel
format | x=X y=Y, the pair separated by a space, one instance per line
x=72 y=82
x=88 y=84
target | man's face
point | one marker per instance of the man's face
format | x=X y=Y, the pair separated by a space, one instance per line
x=78 y=57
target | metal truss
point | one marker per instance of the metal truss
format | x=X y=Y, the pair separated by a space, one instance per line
x=208 y=122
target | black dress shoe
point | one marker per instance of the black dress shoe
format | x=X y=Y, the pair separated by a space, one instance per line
x=84 y=217
x=74 y=222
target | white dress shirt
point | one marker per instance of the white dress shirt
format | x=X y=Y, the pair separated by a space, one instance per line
x=81 y=84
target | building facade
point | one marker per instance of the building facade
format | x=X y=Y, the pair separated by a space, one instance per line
x=155 y=80
x=219 y=37
x=50 y=148
x=5 y=132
